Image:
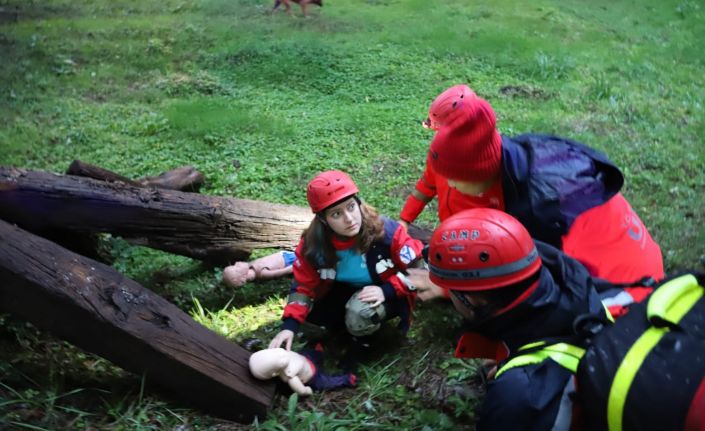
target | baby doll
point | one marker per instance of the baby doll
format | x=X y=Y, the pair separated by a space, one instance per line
x=299 y=370
x=265 y=268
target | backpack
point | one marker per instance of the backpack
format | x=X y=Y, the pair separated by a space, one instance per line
x=644 y=372
x=647 y=371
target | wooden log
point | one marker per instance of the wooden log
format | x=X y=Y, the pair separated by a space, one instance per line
x=211 y=228
x=82 y=169
x=89 y=245
x=9 y=16
x=184 y=178
x=98 y=309
x=419 y=232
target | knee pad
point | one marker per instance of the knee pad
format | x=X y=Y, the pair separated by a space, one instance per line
x=362 y=319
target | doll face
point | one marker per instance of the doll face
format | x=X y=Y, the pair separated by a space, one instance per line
x=345 y=218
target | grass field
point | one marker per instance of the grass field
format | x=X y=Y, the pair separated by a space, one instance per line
x=260 y=103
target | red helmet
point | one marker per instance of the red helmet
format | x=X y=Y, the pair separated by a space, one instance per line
x=446 y=107
x=481 y=249
x=328 y=188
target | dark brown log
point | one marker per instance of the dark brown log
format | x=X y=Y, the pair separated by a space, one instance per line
x=98 y=309
x=420 y=233
x=88 y=245
x=87 y=170
x=203 y=227
x=9 y=16
x=185 y=178
x=84 y=244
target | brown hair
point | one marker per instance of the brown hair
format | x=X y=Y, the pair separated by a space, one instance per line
x=318 y=247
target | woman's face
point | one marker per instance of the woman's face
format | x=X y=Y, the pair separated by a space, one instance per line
x=345 y=218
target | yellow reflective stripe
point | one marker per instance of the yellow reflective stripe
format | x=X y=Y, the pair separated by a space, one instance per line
x=530 y=345
x=564 y=354
x=674 y=299
x=625 y=375
x=607 y=313
x=520 y=361
x=670 y=302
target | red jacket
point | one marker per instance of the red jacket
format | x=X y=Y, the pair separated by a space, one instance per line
x=450 y=201
x=608 y=238
x=385 y=259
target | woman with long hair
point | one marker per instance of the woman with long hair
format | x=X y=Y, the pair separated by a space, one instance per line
x=349 y=263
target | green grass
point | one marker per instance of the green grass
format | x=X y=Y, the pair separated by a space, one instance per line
x=261 y=103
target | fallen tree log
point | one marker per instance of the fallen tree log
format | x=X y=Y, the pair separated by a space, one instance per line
x=419 y=232
x=184 y=178
x=98 y=309
x=210 y=228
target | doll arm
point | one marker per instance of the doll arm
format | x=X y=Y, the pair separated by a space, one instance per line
x=297 y=386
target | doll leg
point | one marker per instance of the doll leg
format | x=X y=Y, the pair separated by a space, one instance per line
x=322 y=381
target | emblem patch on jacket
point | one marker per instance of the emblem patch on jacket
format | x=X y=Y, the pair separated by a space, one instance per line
x=407 y=255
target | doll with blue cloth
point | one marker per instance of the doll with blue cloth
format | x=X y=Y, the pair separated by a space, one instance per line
x=275 y=265
x=301 y=371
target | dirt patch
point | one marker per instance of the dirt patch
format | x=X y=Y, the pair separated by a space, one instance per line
x=523 y=91
x=439 y=392
x=15 y=11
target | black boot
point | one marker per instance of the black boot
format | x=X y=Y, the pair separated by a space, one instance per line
x=357 y=352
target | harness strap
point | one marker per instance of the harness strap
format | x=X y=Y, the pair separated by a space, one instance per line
x=562 y=350
x=566 y=355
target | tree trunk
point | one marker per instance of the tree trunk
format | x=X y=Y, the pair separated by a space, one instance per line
x=98 y=309
x=185 y=178
x=421 y=233
x=211 y=228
